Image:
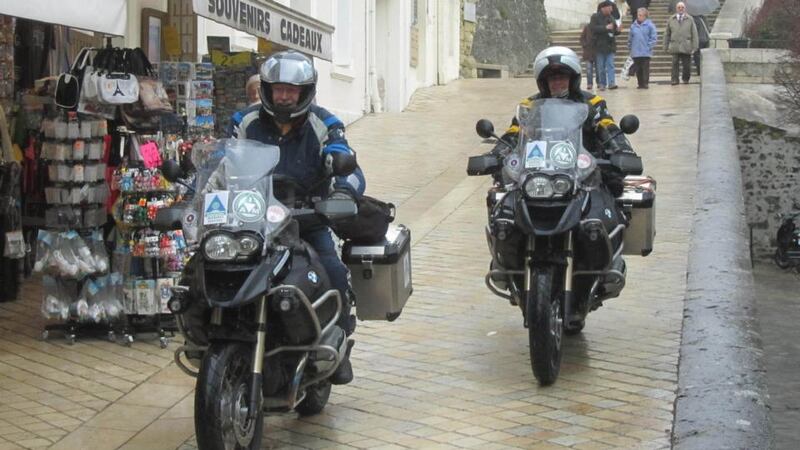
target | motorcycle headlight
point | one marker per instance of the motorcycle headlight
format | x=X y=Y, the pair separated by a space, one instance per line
x=562 y=186
x=538 y=186
x=225 y=246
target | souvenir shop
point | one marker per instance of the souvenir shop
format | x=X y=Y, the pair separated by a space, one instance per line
x=84 y=134
x=85 y=127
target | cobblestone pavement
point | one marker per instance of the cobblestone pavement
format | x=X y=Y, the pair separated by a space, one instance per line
x=453 y=370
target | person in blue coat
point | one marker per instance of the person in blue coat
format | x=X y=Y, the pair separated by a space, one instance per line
x=642 y=38
x=306 y=134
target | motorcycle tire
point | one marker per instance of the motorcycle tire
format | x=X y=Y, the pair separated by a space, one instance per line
x=316 y=398
x=780 y=260
x=223 y=386
x=545 y=325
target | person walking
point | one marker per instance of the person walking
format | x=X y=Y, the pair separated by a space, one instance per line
x=588 y=55
x=604 y=30
x=642 y=38
x=681 y=41
x=704 y=38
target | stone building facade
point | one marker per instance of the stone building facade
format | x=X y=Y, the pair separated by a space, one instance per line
x=506 y=32
x=770 y=162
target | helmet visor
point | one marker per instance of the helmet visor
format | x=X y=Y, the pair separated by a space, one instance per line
x=286 y=70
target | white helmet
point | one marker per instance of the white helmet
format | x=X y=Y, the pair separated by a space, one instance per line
x=557 y=60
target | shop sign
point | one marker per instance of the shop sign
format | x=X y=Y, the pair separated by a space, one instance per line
x=271 y=21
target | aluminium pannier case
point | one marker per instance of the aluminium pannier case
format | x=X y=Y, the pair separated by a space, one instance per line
x=381 y=274
x=639 y=201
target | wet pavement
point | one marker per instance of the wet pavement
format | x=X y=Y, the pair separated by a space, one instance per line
x=453 y=370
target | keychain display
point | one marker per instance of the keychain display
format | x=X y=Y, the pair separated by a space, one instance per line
x=67 y=255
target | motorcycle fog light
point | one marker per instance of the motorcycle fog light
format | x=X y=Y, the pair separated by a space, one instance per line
x=538 y=187
x=561 y=186
x=175 y=305
x=221 y=247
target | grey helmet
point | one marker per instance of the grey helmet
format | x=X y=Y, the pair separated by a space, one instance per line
x=288 y=67
x=557 y=60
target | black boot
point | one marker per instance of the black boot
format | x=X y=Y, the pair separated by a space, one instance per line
x=344 y=373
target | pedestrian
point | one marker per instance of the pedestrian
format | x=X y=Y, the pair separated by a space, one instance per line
x=604 y=30
x=588 y=55
x=642 y=38
x=251 y=91
x=681 y=41
x=704 y=38
x=634 y=5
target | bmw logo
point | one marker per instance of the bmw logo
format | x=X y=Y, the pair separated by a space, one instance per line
x=608 y=213
x=313 y=277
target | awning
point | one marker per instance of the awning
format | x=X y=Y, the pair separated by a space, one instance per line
x=271 y=21
x=103 y=16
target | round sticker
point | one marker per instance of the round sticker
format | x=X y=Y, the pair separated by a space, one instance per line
x=275 y=214
x=513 y=161
x=189 y=219
x=584 y=161
x=563 y=155
x=249 y=206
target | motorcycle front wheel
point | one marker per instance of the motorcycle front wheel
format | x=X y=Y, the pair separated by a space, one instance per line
x=222 y=399
x=545 y=324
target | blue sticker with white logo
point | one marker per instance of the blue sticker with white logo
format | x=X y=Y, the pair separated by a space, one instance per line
x=215 y=208
x=534 y=154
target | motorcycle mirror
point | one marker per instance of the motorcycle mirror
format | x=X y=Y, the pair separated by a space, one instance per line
x=484 y=128
x=171 y=170
x=342 y=164
x=629 y=124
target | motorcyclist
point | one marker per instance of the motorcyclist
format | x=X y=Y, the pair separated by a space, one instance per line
x=307 y=135
x=558 y=75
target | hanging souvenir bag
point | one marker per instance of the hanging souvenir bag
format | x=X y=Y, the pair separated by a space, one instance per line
x=118 y=86
x=68 y=85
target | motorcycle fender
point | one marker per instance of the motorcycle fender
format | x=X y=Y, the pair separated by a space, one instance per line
x=256 y=284
x=569 y=219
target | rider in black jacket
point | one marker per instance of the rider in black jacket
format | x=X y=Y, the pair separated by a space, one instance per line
x=558 y=75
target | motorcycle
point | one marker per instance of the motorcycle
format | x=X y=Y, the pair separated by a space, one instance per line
x=555 y=233
x=787 y=252
x=254 y=304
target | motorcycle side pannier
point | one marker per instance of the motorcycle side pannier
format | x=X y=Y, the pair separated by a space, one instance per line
x=381 y=274
x=639 y=201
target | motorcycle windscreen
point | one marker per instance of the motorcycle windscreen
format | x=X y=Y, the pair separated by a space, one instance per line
x=550 y=140
x=235 y=192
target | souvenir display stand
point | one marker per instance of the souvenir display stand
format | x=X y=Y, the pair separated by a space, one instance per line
x=78 y=287
x=150 y=258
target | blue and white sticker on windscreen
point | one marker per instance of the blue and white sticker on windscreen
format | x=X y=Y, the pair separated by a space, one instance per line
x=215 y=208
x=535 y=152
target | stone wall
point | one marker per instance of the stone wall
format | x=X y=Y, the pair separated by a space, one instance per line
x=509 y=32
x=468 y=69
x=770 y=162
x=569 y=14
x=752 y=65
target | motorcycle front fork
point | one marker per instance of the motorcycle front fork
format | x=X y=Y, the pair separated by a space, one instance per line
x=258 y=357
x=568 y=307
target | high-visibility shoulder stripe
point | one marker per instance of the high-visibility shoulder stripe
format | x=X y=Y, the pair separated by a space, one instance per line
x=513 y=129
x=605 y=122
x=526 y=101
x=595 y=100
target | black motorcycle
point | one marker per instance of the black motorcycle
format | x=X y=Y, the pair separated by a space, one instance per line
x=254 y=304
x=555 y=233
x=787 y=252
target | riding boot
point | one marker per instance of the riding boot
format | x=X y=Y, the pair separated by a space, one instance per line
x=344 y=373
